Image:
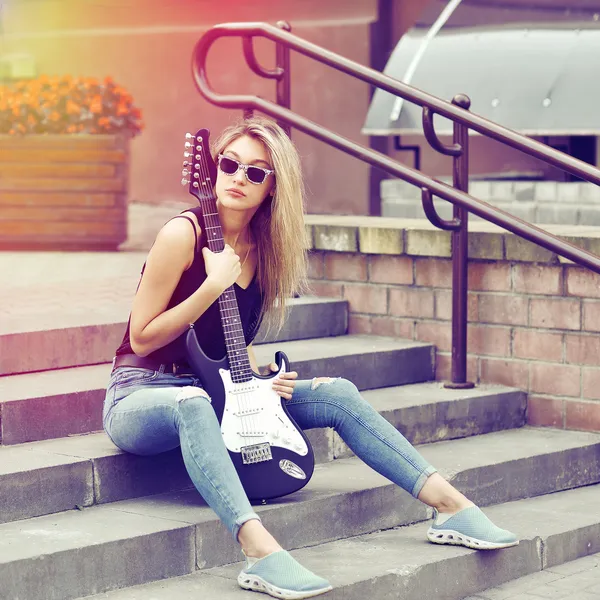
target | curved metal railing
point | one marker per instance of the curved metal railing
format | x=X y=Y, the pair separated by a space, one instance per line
x=457 y=111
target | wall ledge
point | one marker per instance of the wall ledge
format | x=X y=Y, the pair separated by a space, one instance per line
x=418 y=237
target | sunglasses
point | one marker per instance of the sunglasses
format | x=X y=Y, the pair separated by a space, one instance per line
x=254 y=174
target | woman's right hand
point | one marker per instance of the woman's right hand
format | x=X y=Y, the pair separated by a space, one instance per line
x=222 y=268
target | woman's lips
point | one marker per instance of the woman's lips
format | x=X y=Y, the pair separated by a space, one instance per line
x=235 y=192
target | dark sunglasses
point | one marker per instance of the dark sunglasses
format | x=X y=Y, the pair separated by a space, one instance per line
x=254 y=174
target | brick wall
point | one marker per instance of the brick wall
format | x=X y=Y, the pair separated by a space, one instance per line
x=534 y=320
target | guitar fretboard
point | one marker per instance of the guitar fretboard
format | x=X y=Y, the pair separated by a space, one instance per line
x=235 y=342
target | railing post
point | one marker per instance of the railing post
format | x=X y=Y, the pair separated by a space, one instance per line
x=460 y=255
x=284 y=83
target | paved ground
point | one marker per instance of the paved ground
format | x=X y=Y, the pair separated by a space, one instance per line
x=43 y=290
x=576 y=580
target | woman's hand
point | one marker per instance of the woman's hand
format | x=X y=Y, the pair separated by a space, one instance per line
x=222 y=268
x=284 y=384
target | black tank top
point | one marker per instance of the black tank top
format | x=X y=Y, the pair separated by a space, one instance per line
x=208 y=326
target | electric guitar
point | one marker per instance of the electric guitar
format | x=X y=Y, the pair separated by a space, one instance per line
x=271 y=454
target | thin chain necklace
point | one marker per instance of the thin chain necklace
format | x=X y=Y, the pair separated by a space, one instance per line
x=247 y=254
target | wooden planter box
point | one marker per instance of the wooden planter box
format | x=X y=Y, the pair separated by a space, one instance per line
x=63 y=192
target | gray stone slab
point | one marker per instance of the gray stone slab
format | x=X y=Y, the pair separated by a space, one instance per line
x=546 y=191
x=59 y=348
x=58 y=403
x=89 y=338
x=423 y=412
x=119 y=475
x=557 y=213
x=539 y=461
x=34 y=483
x=368 y=361
x=76 y=554
x=309 y=317
x=428 y=412
x=403 y=209
x=399 y=563
x=521 y=463
x=361 y=499
x=52 y=404
x=590 y=193
x=589 y=215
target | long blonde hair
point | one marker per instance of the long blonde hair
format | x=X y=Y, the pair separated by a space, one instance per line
x=278 y=225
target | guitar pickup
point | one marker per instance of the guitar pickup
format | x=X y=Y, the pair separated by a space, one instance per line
x=255 y=454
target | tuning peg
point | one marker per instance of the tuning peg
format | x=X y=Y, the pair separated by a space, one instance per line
x=199 y=148
x=185 y=181
x=195 y=184
x=188 y=136
x=185 y=172
x=187 y=145
x=186 y=154
x=196 y=176
x=186 y=163
x=197 y=157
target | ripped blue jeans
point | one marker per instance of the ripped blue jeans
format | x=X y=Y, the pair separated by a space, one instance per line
x=148 y=412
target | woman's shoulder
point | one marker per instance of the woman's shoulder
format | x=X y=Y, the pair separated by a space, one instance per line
x=178 y=239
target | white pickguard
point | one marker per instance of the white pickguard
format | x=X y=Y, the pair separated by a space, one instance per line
x=253 y=415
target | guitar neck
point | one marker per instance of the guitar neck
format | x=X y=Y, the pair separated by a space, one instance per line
x=233 y=331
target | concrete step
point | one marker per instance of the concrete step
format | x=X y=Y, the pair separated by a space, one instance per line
x=79 y=553
x=54 y=404
x=47 y=477
x=401 y=564
x=70 y=339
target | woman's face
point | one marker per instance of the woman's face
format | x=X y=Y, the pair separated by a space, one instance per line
x=235 y=191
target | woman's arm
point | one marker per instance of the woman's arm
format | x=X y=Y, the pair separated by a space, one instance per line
x=152 y=326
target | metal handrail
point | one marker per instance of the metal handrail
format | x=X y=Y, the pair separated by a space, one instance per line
x=457 y=111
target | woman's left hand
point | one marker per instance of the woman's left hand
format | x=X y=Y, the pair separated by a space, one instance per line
x=284 y=384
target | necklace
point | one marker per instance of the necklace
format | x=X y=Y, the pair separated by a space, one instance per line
x=247 y=254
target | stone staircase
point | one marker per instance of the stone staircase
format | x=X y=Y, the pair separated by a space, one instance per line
x=79 y=518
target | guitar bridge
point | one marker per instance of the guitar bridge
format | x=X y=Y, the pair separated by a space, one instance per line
x=257 y=453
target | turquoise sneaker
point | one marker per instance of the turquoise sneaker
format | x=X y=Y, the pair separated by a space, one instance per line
x=471 y=528
x=281 y=576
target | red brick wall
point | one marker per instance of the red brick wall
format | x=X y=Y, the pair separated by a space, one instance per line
x=531 y=326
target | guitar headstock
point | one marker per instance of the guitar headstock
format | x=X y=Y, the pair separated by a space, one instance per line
x=199 y=170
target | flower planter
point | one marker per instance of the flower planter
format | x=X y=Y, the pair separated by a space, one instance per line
x=63 y=192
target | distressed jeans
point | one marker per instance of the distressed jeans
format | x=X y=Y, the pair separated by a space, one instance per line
x=148 y=412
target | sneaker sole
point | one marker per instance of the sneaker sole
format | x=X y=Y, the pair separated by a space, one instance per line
x=258 y=584
x=454 y=538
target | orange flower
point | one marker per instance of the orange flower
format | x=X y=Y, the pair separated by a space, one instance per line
x=72 y=108
x=96 y=105
x=62 y=104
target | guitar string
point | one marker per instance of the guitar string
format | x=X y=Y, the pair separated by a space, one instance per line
x=207 y=211
x=210 y=215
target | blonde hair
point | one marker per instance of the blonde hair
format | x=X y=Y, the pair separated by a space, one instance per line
x=278 y=225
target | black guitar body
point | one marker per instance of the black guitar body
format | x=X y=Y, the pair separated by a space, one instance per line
x=266 y=479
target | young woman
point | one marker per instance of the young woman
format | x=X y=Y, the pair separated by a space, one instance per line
x=154 y=403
